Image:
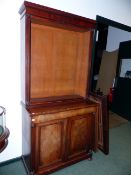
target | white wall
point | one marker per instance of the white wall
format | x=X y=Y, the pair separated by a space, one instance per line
x=115 y=36
x=125 y=66
x=10 y=53
x=10 y=75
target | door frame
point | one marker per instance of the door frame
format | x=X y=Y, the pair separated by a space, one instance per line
x=108 y=22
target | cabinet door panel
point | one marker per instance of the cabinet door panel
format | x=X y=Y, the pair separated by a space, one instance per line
x=81 y=135
x=103 y=121
x=51 y=142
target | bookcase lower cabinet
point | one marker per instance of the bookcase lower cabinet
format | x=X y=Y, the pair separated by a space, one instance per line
x=60 y=139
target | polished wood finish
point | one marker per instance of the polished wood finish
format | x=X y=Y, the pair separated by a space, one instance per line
x=80 y=132
x=59 y=18
x=60 y=73
x=103 y=121
x=50 y=32
x=62 y=135
x=51 y=133
x=60 y=121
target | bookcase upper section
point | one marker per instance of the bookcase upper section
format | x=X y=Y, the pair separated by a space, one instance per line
x=56 y=54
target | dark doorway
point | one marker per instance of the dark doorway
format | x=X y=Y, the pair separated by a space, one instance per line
x=108 y=38
x=102 y=39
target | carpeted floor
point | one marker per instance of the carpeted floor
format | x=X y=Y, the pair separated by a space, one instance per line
x=14 y=168
x=116 y=120
x=118 y=162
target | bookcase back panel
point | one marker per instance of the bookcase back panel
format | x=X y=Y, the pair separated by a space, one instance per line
x=60 y=60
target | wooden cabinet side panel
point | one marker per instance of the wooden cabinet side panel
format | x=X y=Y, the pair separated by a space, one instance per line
x=22 y=44
x=26 y=139
x=25 y=58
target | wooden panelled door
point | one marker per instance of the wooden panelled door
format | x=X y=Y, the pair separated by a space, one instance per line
x=50 y=141
x=80 y=132
x=103 y=122
x=99 y=46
